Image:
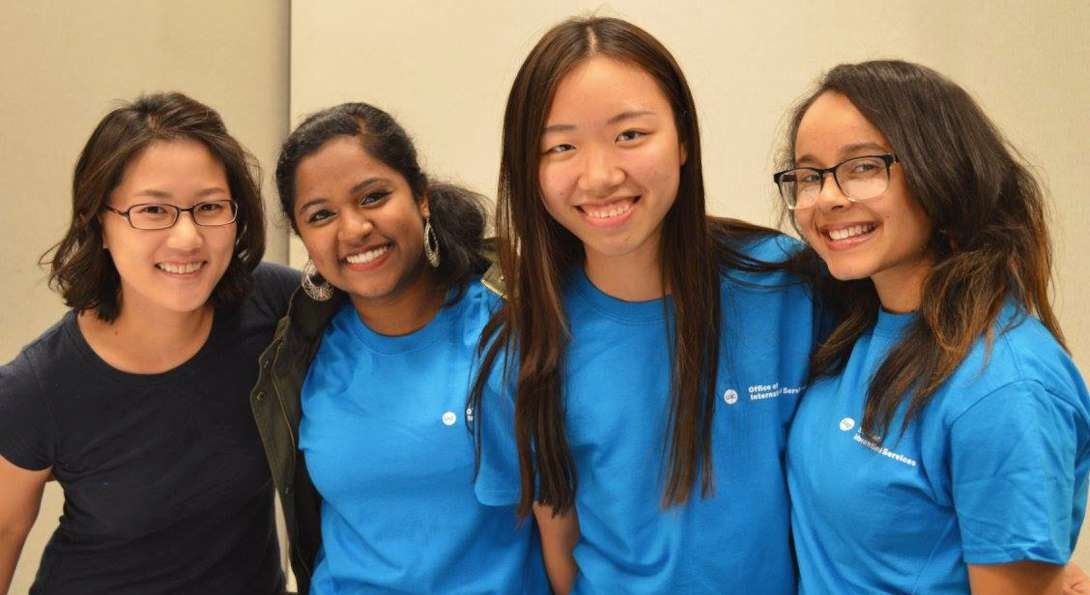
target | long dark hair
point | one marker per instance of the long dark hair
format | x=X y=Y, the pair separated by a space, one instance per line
x=537 y=255
x=80 y=270
x=989 y=242
x=457 y=214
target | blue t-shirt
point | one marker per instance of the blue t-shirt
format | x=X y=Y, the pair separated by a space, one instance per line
x=385 y=440
x=992 y=471
x=616 y=391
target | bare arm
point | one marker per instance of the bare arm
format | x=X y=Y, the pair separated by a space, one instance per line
x=20 y=498
x=559 y=535
x=1076 y=582
x=1029 y=578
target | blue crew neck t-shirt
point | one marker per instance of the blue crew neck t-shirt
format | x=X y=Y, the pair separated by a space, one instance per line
x=386 y=444
x=993 y=471
x=616 y=391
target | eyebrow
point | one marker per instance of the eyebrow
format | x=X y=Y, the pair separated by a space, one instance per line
x=153 y=193
x=848 y=150
x=625 y=115
x=360 y=187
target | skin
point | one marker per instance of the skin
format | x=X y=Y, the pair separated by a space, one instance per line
x=610 y=148
x=350 y=205
x=894 y=255
x=610 y=169
x=165 y=317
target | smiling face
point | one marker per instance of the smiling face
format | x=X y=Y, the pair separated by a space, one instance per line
x=177 y=268
x=884 y=238
x=610 y=160
x=360 y=223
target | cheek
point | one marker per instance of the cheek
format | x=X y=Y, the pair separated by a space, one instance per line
x=555 y=187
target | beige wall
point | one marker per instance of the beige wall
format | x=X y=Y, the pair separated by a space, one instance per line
x=64 y=65
x=444 y=69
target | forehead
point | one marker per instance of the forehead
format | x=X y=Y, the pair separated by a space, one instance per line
x=601 y=87
x=341 y=160
x=832 y=123
x=172 y=158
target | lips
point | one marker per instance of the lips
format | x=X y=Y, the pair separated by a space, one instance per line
x=609 y=213
x=180 y=268
x=367 y=256
x=852 y=231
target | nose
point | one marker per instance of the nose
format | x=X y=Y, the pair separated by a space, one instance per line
x=602 y=173
x=185 y=235
x=830 y=197
x=355 y=224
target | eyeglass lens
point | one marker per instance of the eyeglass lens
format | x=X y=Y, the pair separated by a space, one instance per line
x=859 y=179
x=162 y=215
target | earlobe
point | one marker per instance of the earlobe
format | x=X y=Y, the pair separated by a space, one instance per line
x=425 y=212
x=683 y=155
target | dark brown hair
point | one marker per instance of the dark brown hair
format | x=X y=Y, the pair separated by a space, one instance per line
x=989 y=242
x=457 y=214
x=80 y=269
x=538 y=255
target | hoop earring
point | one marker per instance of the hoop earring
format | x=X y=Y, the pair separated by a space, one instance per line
x=319 y=292
x=431 y=244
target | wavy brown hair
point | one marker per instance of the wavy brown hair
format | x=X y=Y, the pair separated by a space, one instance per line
x=80 y=269
x=990 y=241
x=538 y=256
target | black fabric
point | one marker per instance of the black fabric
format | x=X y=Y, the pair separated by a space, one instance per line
x=165 y=481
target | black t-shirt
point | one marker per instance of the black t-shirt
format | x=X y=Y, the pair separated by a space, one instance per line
x=166 y=486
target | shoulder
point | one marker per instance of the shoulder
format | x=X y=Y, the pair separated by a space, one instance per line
x=274 y=285
x=1023 y=360
x=52 y=352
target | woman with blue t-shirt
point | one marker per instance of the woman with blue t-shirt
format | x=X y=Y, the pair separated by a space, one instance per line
x=657 y=367
x=942 y=446
x=362 y=396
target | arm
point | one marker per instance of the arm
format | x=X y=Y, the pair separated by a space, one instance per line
x=1076 y=581
x=19 y=502
x=1028 y=578
x=559 y=535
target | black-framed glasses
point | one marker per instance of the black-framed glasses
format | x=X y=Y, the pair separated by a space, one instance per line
x=161 y=215
x=858 y=178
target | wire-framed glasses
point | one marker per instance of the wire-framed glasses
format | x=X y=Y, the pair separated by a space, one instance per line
x=161 y=215
x=858 y=178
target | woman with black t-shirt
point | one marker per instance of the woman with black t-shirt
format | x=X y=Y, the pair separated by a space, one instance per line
x=136 y=400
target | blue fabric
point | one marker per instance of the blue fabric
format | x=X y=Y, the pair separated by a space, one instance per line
x=617 y=399
x=385 y=440
x=993 y=471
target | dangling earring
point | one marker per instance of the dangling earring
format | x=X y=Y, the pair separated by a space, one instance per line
x=431 y=244
x=318 y=292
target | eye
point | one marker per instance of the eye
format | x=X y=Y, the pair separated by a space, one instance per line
x=319 y=216
x=630 y=135
x=211 y=208
x=373 y=197
x=150 y=209
x=557 y=149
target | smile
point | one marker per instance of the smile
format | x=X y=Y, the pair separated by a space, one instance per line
x=607 y=214
x=180 y=269
x=850 y=232
x=367 y=256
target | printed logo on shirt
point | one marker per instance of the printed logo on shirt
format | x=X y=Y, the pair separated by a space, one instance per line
x=469 y=414
x=846 y=424
x=760 y=392
x=874 y=446
x=730 y=397
x=449 y=418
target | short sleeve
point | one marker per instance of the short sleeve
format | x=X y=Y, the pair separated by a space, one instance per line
x=27 y=428
x=1016 y=491
x=498 y=480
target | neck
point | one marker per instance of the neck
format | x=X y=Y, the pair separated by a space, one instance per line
x=407 y=310
x=901 y=290
x=633 y=277
x=147 y=340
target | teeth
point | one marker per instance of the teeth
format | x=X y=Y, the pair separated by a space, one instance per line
x=180 y=269
x=612 y=209
x=369 y=256
x=849 y=232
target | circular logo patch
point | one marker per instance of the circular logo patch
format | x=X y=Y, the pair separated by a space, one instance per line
x=449 y=418
x=846 y=424
x=730 y=397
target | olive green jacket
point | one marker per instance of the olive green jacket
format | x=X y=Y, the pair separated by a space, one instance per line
x=275 y=401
